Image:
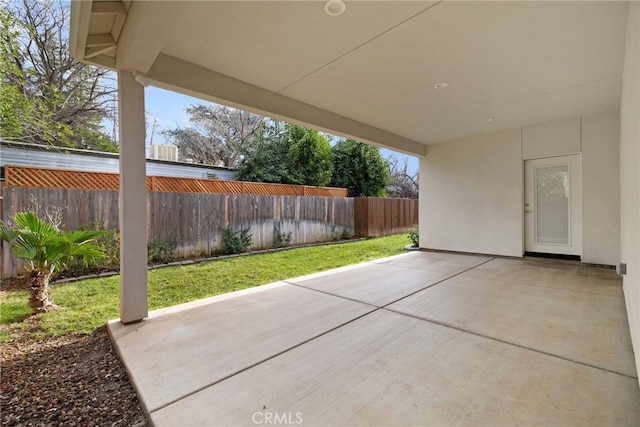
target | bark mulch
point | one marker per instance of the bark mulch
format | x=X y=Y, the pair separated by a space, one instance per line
x=72 y=380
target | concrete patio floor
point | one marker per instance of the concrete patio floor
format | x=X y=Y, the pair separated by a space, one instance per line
x=423 y=338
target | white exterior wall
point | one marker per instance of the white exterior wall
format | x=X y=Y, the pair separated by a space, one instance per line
x=471 y=195
x=601 y=188
x=472 y=189
x=551 y=139
x=629 y=175
x=597 y=138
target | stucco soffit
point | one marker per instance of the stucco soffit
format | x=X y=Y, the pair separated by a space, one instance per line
x=145 y=31
x=176 y=74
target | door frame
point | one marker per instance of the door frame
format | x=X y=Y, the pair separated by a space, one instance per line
x=574 y=248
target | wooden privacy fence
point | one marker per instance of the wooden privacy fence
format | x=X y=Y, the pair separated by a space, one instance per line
x=380 y=217
x=36 y=177
x=194 y=221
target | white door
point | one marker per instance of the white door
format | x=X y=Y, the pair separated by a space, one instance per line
x=553 y=205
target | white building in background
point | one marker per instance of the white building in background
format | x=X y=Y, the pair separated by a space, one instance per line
x=21 y=154
x=163 y=152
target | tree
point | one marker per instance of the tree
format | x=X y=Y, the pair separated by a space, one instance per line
x=360 y=169
x=194 y=146
x=287 y=154
x=217 y=135
x=47 y=97
x=403 y=184
x=46 y=249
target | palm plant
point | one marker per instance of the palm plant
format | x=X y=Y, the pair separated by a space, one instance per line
x=47 y=248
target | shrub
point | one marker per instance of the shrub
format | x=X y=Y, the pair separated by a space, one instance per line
x=235 y=242
x=280 y=240
x=161 y=252
x=414 y=237
x=109 y=241
x=340 y=233
x=346 y=234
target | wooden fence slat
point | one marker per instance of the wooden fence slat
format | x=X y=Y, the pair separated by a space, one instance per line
x=376 y=217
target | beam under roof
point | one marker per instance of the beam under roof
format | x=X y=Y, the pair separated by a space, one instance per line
x=184 y=77
x=140 y=44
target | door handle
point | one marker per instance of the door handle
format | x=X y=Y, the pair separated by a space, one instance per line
x=528 y=211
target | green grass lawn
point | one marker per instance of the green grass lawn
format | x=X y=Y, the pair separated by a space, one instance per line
x=88 y=304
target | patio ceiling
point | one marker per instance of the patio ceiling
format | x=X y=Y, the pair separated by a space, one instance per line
x=370 y=72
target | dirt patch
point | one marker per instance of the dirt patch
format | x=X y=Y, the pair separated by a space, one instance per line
x=13 y=284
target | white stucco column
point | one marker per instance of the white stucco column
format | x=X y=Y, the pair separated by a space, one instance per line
x=133 y=200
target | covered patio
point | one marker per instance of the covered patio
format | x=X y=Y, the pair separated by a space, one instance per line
x=479 y=92
x=425 y=338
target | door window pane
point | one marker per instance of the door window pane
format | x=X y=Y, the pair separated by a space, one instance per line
x=552 y=204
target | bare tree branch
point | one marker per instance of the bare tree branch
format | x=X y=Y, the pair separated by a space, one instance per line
x=403 y=184
x=63 y=102
x=218 y=135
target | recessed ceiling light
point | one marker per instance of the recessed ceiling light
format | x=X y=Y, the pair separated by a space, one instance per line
x=440 y=85
x=334 y=7
x=488 y=120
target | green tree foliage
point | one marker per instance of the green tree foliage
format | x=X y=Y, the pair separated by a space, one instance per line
x=47 y=248
x=360 y=169
x=287 y=154
x=47 y=97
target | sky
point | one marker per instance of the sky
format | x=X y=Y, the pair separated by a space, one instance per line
x=167 y=110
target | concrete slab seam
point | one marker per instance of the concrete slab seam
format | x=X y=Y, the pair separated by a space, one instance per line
x=524 y=347
x=436 y=283
x=263 y=360
x=330 y=294
x=394 y=301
